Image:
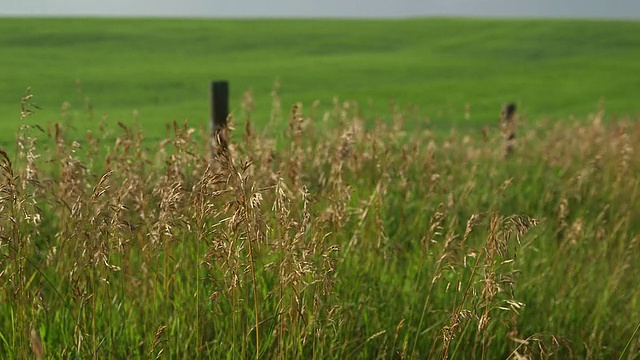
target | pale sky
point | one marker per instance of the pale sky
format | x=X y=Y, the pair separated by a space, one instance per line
x=622 y=9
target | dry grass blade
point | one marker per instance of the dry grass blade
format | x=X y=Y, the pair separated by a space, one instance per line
x=36 y=344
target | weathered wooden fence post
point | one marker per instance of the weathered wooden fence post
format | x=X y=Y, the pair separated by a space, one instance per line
x=219 y=114
x=508 y=122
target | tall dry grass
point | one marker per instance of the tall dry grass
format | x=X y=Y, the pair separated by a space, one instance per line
x=337 y=240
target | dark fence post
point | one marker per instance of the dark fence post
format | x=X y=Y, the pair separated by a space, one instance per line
x=508 y=122
x=219 y=114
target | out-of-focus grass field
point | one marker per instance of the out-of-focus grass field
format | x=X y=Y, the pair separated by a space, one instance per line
x=161 y=68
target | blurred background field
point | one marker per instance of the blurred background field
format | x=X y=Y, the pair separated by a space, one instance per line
x=437 y=69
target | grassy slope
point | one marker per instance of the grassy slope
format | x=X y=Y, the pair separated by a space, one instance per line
x=162 y=67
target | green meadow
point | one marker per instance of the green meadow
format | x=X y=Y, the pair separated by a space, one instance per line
x=435 y=67
x=374 y=206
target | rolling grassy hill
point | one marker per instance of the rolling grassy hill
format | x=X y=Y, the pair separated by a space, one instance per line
x=161 y=68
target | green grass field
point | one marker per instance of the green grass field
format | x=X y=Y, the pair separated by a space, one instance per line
x=161 y=68
x=349 y=242
x=333 y=235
